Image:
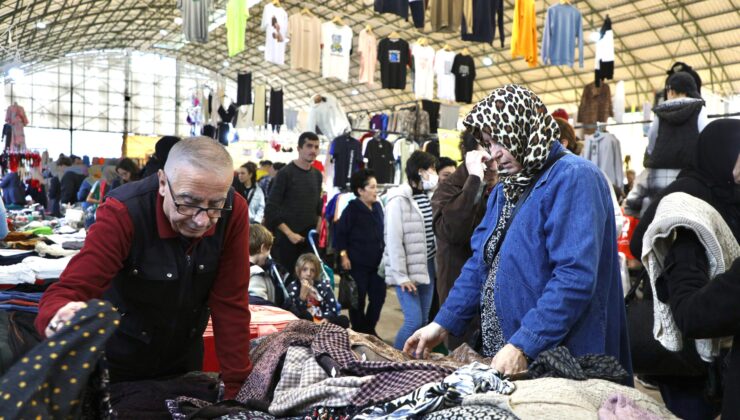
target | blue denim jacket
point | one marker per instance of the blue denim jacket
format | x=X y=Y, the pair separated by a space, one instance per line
x=558 y=281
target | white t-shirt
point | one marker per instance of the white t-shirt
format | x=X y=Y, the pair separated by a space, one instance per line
x=423 y=71
x=275 y=25
x=445 y=79
x=336 y=44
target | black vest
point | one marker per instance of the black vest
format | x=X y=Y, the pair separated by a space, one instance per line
x=161 y=292
x=678 y=136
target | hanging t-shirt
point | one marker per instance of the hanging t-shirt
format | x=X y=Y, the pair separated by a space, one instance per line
x=195 y=15
x=394 y=56
x=305 y=42
x=445 y=79
x=423 y=71
x=275 y=25
x=463 y=67
x=337 y=44
x=379 y=155
x=397 y=7
x=347 y=153
x=236 y=25
x=368 y=49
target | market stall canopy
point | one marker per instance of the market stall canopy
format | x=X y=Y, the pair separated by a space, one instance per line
x=650 y=35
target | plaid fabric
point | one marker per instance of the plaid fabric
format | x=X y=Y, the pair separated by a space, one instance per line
x=304 y=384
x=333 y=341
x=392 y=379
x=267 y=357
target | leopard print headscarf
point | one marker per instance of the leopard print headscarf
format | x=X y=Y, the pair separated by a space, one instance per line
x=518 y=120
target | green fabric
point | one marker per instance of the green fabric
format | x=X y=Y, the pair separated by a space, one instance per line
x=236 y=25
x=43 y=230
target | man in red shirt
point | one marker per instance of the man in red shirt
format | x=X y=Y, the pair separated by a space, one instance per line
x=166 y=251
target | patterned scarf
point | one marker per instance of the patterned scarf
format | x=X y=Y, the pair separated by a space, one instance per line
x=518 y=120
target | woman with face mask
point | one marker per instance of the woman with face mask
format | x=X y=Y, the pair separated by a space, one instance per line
x=410 y=246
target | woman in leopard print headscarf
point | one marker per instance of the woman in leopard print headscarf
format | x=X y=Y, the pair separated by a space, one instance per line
x=551 y=278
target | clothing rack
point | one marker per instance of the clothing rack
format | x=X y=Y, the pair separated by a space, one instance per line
x=357 y=130
x=604 y=124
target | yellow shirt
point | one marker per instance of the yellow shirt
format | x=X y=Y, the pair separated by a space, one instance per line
x=261 y=173
x=524 y=32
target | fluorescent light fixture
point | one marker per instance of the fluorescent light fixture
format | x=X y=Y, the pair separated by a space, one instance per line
x=15 y=73
x=261 y=48
x=41 y=24
x=163 y=32
x=487 y=61
x=178 y=20
x=594 y=36
x=355 y=92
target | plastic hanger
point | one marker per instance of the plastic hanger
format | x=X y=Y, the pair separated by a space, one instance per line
x=447 y=47
x=394 y=35
x=368 y=29
x=276 y=3
x=306 y=12
x=465 y=51
x=337 y=20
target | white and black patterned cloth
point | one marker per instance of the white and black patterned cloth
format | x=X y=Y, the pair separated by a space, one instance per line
x=425 y=205
x=472 y=412
x=492 y=335
x=470 y=379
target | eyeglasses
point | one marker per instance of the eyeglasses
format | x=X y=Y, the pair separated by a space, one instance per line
x=194 y=211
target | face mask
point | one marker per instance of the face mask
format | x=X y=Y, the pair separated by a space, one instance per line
x=429 y=184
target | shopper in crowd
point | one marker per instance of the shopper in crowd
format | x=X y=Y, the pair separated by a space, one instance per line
x=671 y=140
x=71 y=182
x=94 y=173
x=98 y=192
x=265 y=170
x=127 y=170
x=166 y=251
x=445 y=168
x=700 y=307
x=14 y=194
x=159 y=158
x=458 y=206
x=266 y=182
x=294 y=205
x=359 y=239
x=540 y=282
x=568 y=136
x=409 y=243
x=629 y=175
x=55 y=185
x=312 y=294
x=265 y=285
x=246 y=185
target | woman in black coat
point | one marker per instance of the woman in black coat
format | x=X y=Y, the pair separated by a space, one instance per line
x=704 y=308
x=359 y=239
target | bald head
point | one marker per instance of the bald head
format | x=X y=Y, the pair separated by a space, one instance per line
x=201 y=154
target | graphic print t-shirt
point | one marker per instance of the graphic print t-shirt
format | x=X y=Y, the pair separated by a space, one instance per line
x=337 y=44
x=463 y=67
x=394 y=57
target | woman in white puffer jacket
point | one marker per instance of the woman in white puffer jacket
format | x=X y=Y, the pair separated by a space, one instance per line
x=410 y=246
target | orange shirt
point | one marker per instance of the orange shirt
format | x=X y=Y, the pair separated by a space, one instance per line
x=524 y=32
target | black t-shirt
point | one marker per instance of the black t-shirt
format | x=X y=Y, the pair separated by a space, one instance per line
x=394 y=57
x=463 y=67
x=347 y=153
x=379 y=155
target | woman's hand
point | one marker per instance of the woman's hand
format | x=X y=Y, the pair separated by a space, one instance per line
x=408 y=286
x=346 y=264
x=421 y=343
x=509 y=360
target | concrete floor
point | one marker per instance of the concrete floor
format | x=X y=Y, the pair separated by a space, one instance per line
x=391 y=319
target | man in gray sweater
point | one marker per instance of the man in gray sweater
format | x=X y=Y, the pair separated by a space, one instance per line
x=294 y=205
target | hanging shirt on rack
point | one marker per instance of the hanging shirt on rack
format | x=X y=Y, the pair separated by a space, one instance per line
x=448 y=116
x=237 y=14
x=195 y=15
x=276 y=108
x=244 y=89
x=305 y=42
x=396 y=7
x=563 y=24
x=604 y=57
x=260 y=106
x=394 y=58
x=379 y=155
x=337 y=44
x=463 y=67
x=479 y=23
x=328 y=117
x=445 y=15
x=524 y=32
x=432 y=108
x=605 y=151
x=596 y=105
x=423 y=71
x=275 y=25
x=443 y=60
x=347 y=157
x=368 y=49
x=15 y=116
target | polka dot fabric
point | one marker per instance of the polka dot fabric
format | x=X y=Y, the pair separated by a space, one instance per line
x=517 y=119
x=54 y=379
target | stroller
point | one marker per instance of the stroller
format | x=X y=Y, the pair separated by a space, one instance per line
x=327 y=274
